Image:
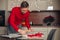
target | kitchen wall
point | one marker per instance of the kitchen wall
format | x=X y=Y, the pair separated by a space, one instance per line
x=2 y=4
x=35 y=4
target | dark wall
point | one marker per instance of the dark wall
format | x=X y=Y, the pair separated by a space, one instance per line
x=2 y=18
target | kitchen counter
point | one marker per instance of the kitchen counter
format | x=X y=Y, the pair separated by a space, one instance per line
x=43 y=29
x=23 y=37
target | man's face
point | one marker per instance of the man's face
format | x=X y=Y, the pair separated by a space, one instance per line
x=24 y=10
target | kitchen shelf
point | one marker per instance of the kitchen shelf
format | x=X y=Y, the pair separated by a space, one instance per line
x=35 y=11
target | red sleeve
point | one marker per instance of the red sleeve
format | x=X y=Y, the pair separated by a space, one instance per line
x=12 y=19
x=27 y=20
x=27 y=23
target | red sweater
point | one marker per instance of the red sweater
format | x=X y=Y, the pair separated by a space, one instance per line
x=16 y=18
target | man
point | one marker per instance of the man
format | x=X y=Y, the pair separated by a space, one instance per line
x=19 y=16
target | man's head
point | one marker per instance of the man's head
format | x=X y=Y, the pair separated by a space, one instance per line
x=24 y=6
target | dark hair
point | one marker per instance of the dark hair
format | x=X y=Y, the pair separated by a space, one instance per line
x=24 y=4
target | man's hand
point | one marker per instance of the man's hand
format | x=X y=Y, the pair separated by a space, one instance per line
x=22 y=31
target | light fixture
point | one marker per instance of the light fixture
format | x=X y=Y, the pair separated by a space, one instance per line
x=50 y=8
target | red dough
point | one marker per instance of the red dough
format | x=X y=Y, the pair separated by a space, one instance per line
x=35 y=35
